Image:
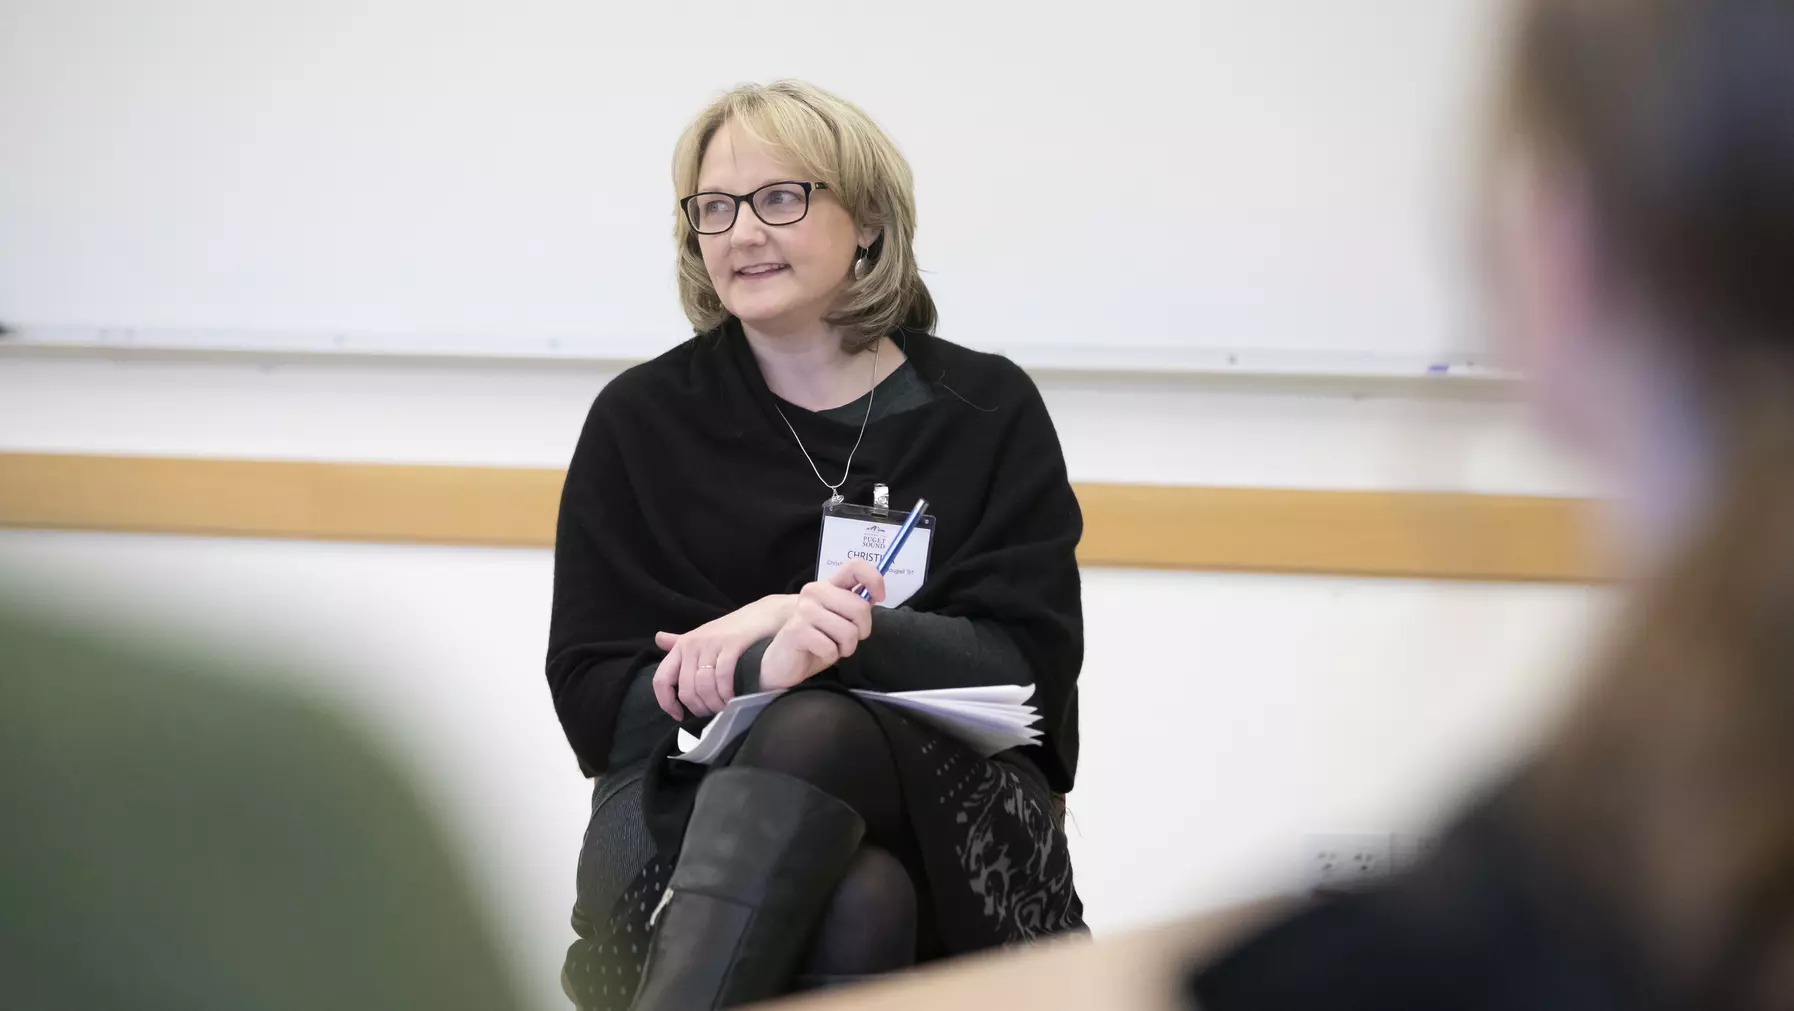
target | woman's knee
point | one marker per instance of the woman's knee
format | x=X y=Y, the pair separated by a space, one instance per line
x=871 y=923
x=811 y=731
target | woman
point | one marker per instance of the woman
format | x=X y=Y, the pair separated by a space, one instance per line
x=1644 y=235
x=838 y=839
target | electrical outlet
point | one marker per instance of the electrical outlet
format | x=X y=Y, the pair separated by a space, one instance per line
x=1343 y=863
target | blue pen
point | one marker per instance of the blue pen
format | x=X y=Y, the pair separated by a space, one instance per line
x=890 y=555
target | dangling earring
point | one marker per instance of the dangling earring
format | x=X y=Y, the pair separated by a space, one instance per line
x=861 y=265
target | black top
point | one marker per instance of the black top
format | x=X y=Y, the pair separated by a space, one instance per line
x=687 y=498
x=908 y=649
x=902 y=390
x=1488 y=924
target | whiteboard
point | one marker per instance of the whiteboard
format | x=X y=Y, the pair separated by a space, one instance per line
x=1156 y=181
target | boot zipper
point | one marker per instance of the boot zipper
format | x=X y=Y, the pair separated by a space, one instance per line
x=660 y=907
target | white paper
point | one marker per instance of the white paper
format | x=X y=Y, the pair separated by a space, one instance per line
x=729 y=724
x=988 y=719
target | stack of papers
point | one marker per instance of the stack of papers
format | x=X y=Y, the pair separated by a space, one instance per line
x=990 y=719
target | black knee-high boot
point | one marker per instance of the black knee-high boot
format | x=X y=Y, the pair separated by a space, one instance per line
x=762 y=856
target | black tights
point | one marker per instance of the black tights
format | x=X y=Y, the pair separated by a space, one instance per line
x=877 y=920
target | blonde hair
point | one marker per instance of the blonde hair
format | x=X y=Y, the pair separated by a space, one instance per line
x=832 y=141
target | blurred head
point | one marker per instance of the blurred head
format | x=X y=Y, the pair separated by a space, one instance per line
x=1645 y=238
x=787 y=260
x=1643 y=226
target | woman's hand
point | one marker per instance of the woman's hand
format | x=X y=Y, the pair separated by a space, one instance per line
x=827 y=624
x=699 y=669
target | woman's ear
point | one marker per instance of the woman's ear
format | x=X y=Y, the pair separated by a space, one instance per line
x=865 y=237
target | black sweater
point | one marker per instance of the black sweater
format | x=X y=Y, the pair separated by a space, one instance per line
x=908 y=650
x=1489 y=923
x=687 y=498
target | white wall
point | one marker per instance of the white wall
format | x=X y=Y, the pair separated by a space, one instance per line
x=496 y=169
x=1226 y=716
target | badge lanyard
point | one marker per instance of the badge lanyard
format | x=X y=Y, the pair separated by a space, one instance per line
x=835 y=497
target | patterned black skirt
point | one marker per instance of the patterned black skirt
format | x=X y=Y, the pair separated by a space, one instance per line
x=989 y=832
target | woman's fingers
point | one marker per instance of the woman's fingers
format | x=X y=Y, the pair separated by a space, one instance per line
x=725 y=674
x=813 y=641
x=688 y=684
x=860 y=572
x=797 y=652
x=845 y=603
x=698 y=674
x=705 y=685
x=666 y=684
x=842 y=631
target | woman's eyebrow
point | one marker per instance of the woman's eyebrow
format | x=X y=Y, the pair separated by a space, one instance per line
x=723 y=189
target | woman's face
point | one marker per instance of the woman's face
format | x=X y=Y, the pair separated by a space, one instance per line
x=774 y=277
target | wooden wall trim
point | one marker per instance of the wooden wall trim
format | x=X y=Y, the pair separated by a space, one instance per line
x=1409 y=534
x=262 y=498
x=1437 y=535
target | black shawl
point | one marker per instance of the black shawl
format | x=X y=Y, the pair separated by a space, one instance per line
x=687 y=498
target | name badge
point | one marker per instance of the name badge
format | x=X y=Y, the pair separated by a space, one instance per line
x=856 y=531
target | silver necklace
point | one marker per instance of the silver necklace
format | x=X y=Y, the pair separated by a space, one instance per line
x=835 y=497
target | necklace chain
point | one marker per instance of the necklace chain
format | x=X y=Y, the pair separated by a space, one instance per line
x=835 y=489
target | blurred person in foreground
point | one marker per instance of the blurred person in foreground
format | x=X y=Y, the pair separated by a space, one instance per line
x=1642 y=231
x=172 y=837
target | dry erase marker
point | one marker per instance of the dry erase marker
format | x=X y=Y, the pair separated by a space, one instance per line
x=890 y=555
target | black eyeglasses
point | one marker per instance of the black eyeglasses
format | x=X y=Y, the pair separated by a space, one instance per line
x=784 y=203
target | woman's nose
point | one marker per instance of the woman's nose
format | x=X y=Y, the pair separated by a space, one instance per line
x=749 y=230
